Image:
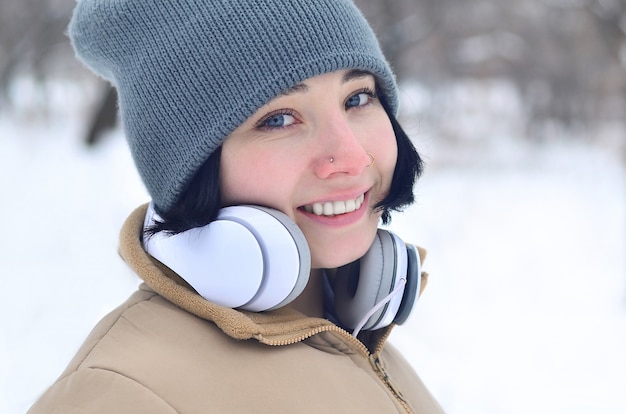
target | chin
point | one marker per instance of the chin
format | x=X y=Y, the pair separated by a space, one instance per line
x=332 y=249
x=333 y=255
x=333 y=263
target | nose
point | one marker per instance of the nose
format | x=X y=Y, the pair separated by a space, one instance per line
x=341 y=150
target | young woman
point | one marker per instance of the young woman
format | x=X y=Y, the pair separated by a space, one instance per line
x=265 y=133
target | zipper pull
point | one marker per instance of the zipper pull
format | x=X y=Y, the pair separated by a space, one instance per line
x=379 y=368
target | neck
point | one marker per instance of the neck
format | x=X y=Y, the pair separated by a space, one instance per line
x=311 y=300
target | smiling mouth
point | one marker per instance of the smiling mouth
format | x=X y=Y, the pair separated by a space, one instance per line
x=333 y=208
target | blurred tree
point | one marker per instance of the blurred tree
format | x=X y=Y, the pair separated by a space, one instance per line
x=32 y=37
x=567 y=58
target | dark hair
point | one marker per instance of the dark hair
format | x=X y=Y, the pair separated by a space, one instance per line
x=409 y=167
x=199 y=204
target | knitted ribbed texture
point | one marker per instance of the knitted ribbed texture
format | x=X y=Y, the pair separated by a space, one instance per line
x=188 y=72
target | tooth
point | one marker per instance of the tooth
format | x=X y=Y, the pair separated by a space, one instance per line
x=318 y=209
x=339 y=207
x=332 y=208
x=328 y=208
x=350 y=206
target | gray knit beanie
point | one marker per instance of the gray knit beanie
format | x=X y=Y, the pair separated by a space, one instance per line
x=188 y=72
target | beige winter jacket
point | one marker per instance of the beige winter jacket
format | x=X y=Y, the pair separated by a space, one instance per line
x=167 y=350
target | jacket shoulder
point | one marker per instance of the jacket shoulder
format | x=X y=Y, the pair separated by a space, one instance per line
x=103 y=327
x=85 y=387
x=92 y=391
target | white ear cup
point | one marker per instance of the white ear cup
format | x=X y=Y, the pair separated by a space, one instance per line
x=222 y=261
x=398 y=272
x=286 y=256
x=229 y=261
x=362 y=285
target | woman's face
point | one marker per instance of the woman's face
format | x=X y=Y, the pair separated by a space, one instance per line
x=305 y=153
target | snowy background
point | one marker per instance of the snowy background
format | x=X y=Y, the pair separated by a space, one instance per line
x=525 y=311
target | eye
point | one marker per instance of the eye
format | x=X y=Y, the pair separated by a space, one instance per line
x=278 y=119
x=360 y=98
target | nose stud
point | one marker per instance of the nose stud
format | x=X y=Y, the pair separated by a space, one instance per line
x=369 y=154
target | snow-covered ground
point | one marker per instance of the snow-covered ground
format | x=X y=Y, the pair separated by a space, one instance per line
x=525 y=311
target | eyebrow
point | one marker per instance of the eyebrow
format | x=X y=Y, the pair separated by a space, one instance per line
x=299 y=87
x=347 y=77
x=355 y=74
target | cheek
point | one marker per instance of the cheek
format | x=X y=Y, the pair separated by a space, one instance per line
x=384 y=147
x=253 y=177
x=235 y=169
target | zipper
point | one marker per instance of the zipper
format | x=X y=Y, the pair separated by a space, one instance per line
x=374 y=358
x=315 y=331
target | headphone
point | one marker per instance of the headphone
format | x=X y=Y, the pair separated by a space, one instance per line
x=257 y=259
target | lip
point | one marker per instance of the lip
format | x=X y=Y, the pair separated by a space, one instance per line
x=340 y=219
